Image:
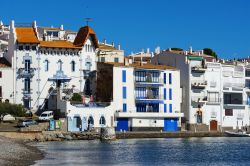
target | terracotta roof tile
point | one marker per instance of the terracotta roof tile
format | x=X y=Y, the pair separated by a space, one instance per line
x=26 y=35
x=58 y=44
x=106 y=47
x=4 y=63
x=83 y=34
x=144 y=66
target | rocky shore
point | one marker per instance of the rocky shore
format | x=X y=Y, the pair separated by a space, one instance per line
x=17 y=153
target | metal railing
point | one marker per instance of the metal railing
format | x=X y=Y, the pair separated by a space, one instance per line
x=26 y=73
x=148 y=79
x=150 y=97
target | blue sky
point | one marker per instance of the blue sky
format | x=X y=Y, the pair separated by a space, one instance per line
x=223 y=25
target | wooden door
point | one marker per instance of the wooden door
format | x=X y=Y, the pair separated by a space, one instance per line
x=213 y=125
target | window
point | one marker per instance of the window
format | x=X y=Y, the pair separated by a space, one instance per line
x=59 y=63
x=124 y=92
x=46 y=65
x=78 y=122
x=102 y=59
x=228 y=112
x=213 y=97
x=102 y=121
x=170 y=108
x=20 y=47
x=116 y=60
x=233 y=98
x=165 y=107
x=27 y=63
x=170 y=93
x=123 y=75
x=27 y=85
x=124 y=109
x=170 y=78
x=0 y=74
x=73 y=66
x=88 y=65
x=91 y=120
x=1 y=95
x=27 y=48
x=165 y=94
x=33 y=47
x=165 y=78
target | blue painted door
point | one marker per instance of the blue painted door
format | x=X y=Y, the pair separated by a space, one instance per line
x=170 y=124
x=122 y=124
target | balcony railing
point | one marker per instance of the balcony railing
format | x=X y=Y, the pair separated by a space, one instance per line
x=150 y=97
x=26 y=73
x=199 y=69
x=235 y=85
x=199 y=99
x=149 y=79
x=199 y=83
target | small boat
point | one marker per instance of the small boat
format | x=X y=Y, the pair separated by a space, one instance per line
x=237 y=134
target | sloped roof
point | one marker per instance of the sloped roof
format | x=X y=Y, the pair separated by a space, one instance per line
x=106 y=47
x=58 y=44
x=4 y=63
x=26 y=35
x=83 y=34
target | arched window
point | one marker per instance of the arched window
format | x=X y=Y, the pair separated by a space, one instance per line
x=73 y=66
x=46 y=65
x=102 y=121
x=59 y=64
x=91 y=120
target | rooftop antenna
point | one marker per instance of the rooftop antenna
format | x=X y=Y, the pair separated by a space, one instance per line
x=87 y=20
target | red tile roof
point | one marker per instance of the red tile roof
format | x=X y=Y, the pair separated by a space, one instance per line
x=83 y=34
x=26 y=35
x=58 y=44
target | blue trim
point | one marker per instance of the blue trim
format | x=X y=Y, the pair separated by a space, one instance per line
x=124 y=92
x=165 y=78
x=150 y=101
x=165 y=108
x=122 y=124
x=170 y=93
x=170 y=124
x=170 y=108
x=170 y=78
x=165 y=94
x=123 y=75
x=124 y=108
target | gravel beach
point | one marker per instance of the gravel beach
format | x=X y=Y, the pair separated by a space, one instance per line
x=17 y=153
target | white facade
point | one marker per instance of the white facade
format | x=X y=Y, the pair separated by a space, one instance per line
x=205 y=83
x=34 y=60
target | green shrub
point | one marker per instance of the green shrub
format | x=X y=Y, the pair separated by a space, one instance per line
x=16 y=110
x=76 y=97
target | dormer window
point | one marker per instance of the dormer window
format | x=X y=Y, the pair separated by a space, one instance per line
x=20 y=47
x=27 y=48
x=53 y=33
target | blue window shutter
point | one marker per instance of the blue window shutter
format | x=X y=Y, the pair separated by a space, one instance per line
x=165 y=78
x=170 y=78
x=124 y=92
x=170 y=94
x=123 y=75
x=165 y=94
x=165 y=107
x=170 y=108
x=124 y=107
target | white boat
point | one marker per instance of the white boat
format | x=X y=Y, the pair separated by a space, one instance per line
x=237 y=134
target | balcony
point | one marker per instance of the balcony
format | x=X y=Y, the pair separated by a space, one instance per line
x=213 y=101
x=26 y=73
x=198 y=69
x=149 y=81
x=199 y=99
x=150 y=96
x=199 y=84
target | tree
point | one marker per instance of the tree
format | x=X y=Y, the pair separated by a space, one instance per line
x=76 y=97
x=209 y=51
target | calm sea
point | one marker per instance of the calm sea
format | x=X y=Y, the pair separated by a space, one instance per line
x=193 y=151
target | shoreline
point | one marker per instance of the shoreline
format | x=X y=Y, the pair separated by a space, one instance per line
x=18 y=152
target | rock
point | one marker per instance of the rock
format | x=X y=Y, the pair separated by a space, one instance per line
x=60 y=135
x=107 y=134
x=68 y=137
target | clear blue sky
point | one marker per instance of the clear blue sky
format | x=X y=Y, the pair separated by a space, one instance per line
x=223 y=25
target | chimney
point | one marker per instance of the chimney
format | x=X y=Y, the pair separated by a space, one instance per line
x=157 y=50
x=148 y=50
x=202 y=52
x=1 y=22
x=34 y=24
x=190 y=50
x=119 y=46
x=113 y=44
x=12 y=26
x=61 y=28
x=152 y=54
x=105 y=41
x=170 y=49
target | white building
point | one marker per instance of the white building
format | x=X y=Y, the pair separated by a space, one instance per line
x=206 y=92
x=141 y=98
x=35 y=57
x=110 y=53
